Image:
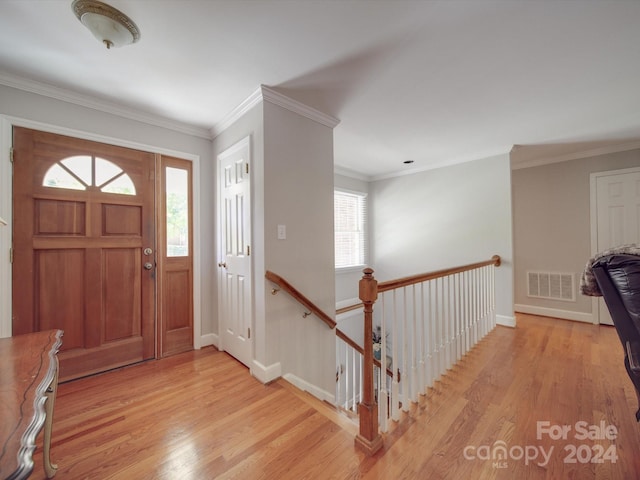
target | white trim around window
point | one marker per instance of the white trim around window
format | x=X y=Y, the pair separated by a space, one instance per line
x=350 y=229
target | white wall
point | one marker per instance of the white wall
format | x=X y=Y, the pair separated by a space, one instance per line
x=445 y=217
x=552 y=231
x=21 y=106
x=298 y=193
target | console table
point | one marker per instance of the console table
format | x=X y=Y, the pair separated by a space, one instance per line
x=28 y=384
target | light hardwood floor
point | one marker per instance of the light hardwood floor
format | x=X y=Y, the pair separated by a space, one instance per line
x=200 y=415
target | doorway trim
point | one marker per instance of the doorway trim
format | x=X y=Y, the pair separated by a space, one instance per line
x=239 y=150
x=593 y=211
x=6 y=211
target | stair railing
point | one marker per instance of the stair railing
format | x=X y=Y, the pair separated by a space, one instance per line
x=427 y=322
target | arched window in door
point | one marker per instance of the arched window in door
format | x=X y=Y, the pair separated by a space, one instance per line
x=84 y=172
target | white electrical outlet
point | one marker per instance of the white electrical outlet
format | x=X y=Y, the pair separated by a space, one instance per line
x=282 y=232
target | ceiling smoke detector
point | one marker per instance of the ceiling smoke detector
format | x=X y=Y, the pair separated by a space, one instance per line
x=109 y=25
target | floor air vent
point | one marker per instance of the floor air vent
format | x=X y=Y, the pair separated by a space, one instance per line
x=555 y=286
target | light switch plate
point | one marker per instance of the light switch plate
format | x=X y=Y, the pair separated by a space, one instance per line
x=282 y=232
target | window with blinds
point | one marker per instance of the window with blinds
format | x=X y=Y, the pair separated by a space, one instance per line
x=350 y=225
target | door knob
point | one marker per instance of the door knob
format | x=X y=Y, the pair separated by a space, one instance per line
x=148 y=266
x=222 y=264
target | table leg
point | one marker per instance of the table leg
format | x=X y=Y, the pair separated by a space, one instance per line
x=50 y=468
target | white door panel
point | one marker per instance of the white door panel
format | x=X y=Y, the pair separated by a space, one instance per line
x=617 y=216
x=235 y=252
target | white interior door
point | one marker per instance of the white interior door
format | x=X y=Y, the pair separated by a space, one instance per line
x=235 y=278
x=618 y=215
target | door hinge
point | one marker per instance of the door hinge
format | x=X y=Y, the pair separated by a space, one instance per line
x=11 y=255
x=248 y=251
x=246 y=168
x=11 y=154
x=248 y=332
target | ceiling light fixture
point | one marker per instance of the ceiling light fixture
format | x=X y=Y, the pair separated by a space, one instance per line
x=108 y=25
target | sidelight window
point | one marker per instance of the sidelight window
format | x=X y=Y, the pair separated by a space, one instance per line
x=177 y=211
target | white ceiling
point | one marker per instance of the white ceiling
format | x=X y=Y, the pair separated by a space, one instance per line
x=437 y=82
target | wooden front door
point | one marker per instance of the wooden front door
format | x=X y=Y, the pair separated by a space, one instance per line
x=83 y=249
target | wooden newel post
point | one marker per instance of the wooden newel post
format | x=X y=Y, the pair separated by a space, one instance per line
x=369 y=438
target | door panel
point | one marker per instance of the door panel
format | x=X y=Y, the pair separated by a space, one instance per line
x=618 y=216
x=236 y=269
x=59 y=292
x=83 y=213
x=59 y=217
x=121 y=220
x=121 y=301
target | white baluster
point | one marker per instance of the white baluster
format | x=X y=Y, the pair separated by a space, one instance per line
x=383 y=396
x=355 y=378
x=472 y=309
x=360 y=360
x=446 y=321
x=414 y=346
x=422 y=349
x=395 y=411
x=456 y=316
x=430 y=336
x=442 y=361
x=493 y=293
x=406 y=374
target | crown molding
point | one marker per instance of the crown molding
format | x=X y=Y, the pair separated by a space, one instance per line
x=593 y=152
x=87 y=101
x=251 y=101
x=276 y=98
x=266 y=94
x=346 y=172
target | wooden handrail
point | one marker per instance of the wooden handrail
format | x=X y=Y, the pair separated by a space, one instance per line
x=343 y=336
x=291 y=290
x=423 y=277
x=349 y=308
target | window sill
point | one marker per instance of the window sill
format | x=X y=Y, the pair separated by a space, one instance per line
x=352 y=269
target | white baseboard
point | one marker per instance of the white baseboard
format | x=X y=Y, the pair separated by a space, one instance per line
x=266 y=374
x=556 y=313
x=312 y=389
x=209 y=339
x=506 y=321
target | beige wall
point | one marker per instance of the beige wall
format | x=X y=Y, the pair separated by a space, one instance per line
x=551 y=224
